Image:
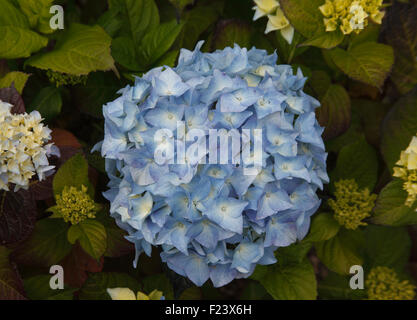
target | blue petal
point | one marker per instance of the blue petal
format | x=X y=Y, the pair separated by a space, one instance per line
x=197 y=270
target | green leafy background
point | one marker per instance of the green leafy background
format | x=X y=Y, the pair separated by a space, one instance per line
x=367 y=86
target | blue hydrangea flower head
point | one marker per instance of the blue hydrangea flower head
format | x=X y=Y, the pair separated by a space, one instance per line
x=216 y=161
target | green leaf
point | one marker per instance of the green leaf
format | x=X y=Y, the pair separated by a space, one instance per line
x=140 y=17
x=181 y=4
x=198 y=20
x=292 y=282
x=92 y=237
x=323 y=227
x=369 y=34
x=11 y=286
x=372 y=114
x=11 y=16
x=304 y=15
x=169 y=59
x=325 y=39
x=100 y=88
x=230 y=32
x=193 y=293
x=293 y=254
x=357 y=161
x=111 y=21
x=48 y=102
x=95 y=288
x=334 y=113
x=307 y=19
x=342 y=251
x=117 y=245
x=319 y=82
x=124 y=52
x=353 y=134
x=17 y=78
x=17 y=42
x=157 y=42
x=399 y=127
x=402 y=22
x=287 y=51
x=390 y=208
x=254 y=291
x=336 y=286
x=80 y=50
x=368 y=62
x=387 y=246
x=47 y=245
x=38 y=288
x=37 y=12
x=74 y=173
x=158 y=282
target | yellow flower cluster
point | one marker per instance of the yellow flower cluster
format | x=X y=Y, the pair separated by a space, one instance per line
x=23 y=148
x=127 y=294
x=406 y=169
x=383 y=284
x=351 y=205
x=75 y=205
x=351 y=15
x=276 y=18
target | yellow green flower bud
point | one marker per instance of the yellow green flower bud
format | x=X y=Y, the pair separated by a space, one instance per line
x=383 y=284
x=63 y=79
x=351 y=205
x=76 y=205
x=406 y=169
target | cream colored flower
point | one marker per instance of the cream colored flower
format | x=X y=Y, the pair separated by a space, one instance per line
x=406 y=169
x=276 y=18
x=350 y=15
x=264 y=7
x=23 y=149
x=127 y=294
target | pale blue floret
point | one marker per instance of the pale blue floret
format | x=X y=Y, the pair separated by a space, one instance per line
x=212 y=221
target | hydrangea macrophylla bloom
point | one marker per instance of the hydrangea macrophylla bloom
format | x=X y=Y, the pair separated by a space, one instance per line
x=351 y=204
x=215 y=220
x=128 y=294
x=383 y=283
x=24 y=148
x=351 y=15
x=74 y=205
x=406 y=169
x=276 y=18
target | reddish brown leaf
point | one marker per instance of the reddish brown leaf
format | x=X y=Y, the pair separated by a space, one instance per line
x=66 y=142
x=4 y=68
x=68 y=146
x=17 y=216
x=77 y=264
x=12 y=96
x=335 y=112
x=42 y=190
x=11 y=285
x=64 y=138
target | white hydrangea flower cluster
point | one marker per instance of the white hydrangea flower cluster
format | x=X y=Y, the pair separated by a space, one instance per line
x=23 y=148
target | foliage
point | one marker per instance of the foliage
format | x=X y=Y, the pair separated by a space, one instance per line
x=362 y=71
